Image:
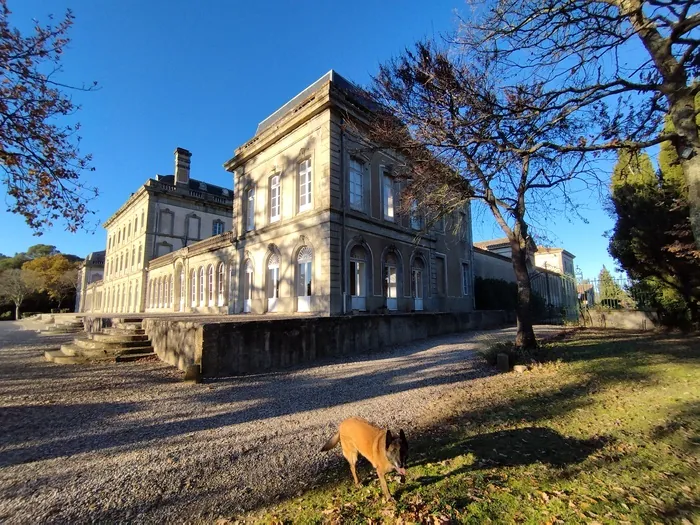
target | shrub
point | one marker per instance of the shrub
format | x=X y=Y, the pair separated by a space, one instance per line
x=6 y=316
x=25 y=315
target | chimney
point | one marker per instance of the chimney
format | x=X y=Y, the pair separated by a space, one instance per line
x=182 y=166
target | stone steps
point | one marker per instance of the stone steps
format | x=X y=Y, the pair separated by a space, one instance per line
x=126 y=341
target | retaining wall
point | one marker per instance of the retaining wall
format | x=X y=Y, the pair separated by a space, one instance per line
x=230 y=348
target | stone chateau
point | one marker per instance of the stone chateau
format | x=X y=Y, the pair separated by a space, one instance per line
x=312 y=226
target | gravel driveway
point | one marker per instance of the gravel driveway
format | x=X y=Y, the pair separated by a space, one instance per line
x=132 y=442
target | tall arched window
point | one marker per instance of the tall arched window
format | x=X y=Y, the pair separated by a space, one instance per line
x=248 y=286
x=221 y=282
x=304 y=273
x=417 y=283
x=201 y=285
x=358 y=278
x=172 y=291
x=273 y=282
x=391 y=281
x=210 y=284
x=193 y=287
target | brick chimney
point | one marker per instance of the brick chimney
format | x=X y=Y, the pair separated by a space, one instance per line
x=182 y=166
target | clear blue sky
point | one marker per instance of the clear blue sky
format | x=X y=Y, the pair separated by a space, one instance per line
x=201 y=75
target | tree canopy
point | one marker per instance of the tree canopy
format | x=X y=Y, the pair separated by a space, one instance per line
x=39 y=149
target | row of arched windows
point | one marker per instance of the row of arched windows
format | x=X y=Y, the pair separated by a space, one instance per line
x=122 y=298
x=207 y=287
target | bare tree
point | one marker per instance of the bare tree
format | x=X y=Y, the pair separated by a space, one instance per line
x=16 y=285
x=466 y=135
x=39 y=154
x=620 y=65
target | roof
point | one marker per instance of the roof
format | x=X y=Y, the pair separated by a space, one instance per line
x=332 y=76
x=95 y=257
x=554 y=249
x=199 y=185
x=493 y=243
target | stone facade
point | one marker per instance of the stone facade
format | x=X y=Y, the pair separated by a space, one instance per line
x=315 y=228
x=165 y=214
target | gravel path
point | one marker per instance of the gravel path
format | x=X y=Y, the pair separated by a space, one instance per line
x=132 y=442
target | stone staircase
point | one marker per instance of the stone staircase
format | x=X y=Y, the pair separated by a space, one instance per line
x=72 y=326
x=126 y=341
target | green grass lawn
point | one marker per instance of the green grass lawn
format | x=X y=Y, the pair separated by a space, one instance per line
x=606 y=431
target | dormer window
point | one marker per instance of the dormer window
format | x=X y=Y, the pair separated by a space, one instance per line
x=203 y=186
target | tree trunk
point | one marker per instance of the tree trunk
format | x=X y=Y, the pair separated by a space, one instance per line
x=16 y=311
x=691 y=173
x=525 y=337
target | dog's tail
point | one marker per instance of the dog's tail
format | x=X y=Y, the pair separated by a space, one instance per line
x=331 y=442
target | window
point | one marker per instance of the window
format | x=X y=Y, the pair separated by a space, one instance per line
x=388 y=191
x=133 y=257
x=136 y=224
x=390 y=282
x=273 y=281
x=250 y=215
x=210 y=282
x=143 y=223
x=305 y=185
x=138 y=260
x=172 y=291
x=201 y=285
x=275 y=198
x=217 y=228
x=356 y=185
x=193 y=286
x=304 y=261
x=358 y=277
x=221 y=284
x=416 y=221
x=128 y=232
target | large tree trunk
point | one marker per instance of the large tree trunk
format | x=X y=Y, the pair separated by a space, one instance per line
x=525 y=338
x=691 y=172
x=16 y=311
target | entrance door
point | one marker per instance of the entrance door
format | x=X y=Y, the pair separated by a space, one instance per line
x=391 y=295
x=357 y=285
x=248 y=288
x=418 y=289
x=273 y=282
x=304 y=279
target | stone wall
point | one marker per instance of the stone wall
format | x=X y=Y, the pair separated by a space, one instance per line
x=255 y=346
x=622 y=319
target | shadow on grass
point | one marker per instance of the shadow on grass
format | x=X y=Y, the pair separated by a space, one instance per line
x=517 y=447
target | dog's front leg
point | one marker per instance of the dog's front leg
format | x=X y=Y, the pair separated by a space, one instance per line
x=385 y=489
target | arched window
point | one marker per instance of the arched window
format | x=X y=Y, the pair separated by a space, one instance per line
x=133 y=257
x=248 y=286
x=417 y=289
x=201 y=285
x=160 y=293
x=273 y=281
x=193 y=286
x=210 y=285
x=304 y=275
x=391 y=281
x=172 y=291
x=221 y=282
x=358 y=278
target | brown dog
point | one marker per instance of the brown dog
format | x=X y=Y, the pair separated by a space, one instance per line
x=384 y=451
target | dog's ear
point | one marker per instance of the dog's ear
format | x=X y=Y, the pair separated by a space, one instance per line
x=389 y=438
x=403 y=437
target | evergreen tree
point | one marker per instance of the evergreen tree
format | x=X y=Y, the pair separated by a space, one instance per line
x=652 y=238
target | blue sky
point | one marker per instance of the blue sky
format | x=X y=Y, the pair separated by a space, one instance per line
x=201 y=75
